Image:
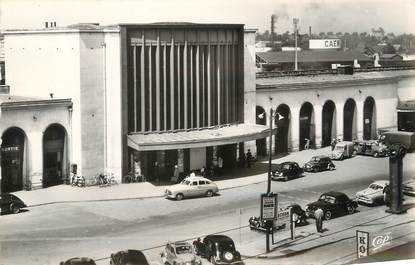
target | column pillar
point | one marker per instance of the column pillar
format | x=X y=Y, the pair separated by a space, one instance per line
x=318 y=124
x=35 y=159
x=1 y=141
x=359 y=117
x=295 y=128
x=339 y=119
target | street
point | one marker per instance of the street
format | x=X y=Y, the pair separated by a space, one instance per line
x=56 y=232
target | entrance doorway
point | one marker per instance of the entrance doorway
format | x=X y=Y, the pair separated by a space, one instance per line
x=261 y=147
x=328 y=123
x=283 y=129
x=369 y=119
x=349 y=120
x=12 y=160
x=307 y=127
x=54 y=156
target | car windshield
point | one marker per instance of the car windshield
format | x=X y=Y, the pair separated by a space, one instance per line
x=340 y=147
x=327 y=198
x=286 y=166
x=374 y=186
x=185 y=182
x=184 y=249
x=315 y=159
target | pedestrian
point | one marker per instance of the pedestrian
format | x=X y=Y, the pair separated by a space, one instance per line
x=156 y=171
x=249 y=158
x=220 y=164
x=333 y=144
x=318 y=214
x=307 y=143
x=203 y=171
x=175 y=177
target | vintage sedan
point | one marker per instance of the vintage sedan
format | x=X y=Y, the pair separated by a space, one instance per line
x=218 y=249
x=78 y=261
x=192 y=187
x=179 y=253
x=286 y=171
x=128 y=257
x=319 y=163
x=10 y=203
x=332 y=203
x=373 y=194
x=370 y=147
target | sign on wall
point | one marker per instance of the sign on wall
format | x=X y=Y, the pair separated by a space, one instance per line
x=269 y=203
x=362 y=240
x=325 y=44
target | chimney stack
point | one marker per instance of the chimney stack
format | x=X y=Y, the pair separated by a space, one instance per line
x=309 y=31
x=272 y=30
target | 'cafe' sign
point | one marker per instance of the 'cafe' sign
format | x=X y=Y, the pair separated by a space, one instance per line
x=325 y=44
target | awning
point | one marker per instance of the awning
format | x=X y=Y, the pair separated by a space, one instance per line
x=197 y=138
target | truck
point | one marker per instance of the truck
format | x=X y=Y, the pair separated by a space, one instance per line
x=342 y=150
x=393 y=137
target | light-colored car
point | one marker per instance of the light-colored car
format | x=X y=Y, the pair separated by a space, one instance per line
x=182 y=253
x=192 y=187
x=373 y=194
x=408 y=187
x=342 y=150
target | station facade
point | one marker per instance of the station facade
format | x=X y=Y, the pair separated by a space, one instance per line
x=105 y=98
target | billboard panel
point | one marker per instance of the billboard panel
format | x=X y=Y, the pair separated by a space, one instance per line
x=325 y=44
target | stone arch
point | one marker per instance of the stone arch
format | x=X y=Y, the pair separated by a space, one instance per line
x=349 y=120
x=328 y=122
x=13 y=160
x=307 y=125
x=283 y=135
x=369 y=119
x=261 y=144
x=55 y=155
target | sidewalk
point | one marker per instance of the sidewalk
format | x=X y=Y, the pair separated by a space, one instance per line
x=67 y=193
x=338 y=231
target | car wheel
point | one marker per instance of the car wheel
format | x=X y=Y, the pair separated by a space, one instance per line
x=331 y=167
x=350 y=209
x=327 y=215
x=209 y=193
x=315 y=170
x=286 y=178
x=15 y=209
x=376 y=154
x=179 y=196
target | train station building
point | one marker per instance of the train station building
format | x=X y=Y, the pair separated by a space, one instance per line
x=104 y=98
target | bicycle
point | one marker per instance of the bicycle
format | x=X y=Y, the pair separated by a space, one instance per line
x=105 y=180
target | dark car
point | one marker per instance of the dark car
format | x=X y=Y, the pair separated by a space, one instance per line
x=319 y=163
x=286 y=171
x=256 y=223
x=370 y=147
x=332 y=203
x=128 y=257
x=11 y=203
x=218 y=249
x=78 y=261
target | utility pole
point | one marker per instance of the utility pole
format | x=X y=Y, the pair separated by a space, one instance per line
x=295 y=21
x=272 y=30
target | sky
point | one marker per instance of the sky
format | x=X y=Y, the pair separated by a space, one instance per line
x=396 y=16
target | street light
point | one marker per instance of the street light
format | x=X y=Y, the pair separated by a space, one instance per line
x=272 y=116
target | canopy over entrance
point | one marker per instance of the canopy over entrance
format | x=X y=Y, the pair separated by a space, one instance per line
x=230 y=134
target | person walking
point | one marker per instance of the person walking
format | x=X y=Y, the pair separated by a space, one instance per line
x=318 y=214
x=175 y=177
x=156 y=171
x=220 y=164
x=307 y=143
x=333 y=144
x=249 y=158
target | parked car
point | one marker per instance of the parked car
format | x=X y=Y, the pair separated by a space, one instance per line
x=372 y=194
x=128 y=257
x=192 y=187
x=218 y=249
x=342 y=150
x=179 y=253
x=319 y=163
x=256 y=223
x=332 y=203
x=408 y=187
x=78 y=261
x=370 y=147
x=286 y=171
x=10 y=203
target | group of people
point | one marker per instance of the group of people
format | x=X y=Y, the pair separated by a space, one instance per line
x=246 y=159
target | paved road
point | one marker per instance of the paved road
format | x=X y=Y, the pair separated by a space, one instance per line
x=51 y=233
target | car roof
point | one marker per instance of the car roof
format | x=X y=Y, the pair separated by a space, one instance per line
x=321 y=156
x=196 y=178
x=180 y=243
x=381 y=182
x=288 y=163
x=218 y=238
x=334 y=193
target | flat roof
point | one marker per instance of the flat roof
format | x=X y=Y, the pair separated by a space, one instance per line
x=195 y=138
